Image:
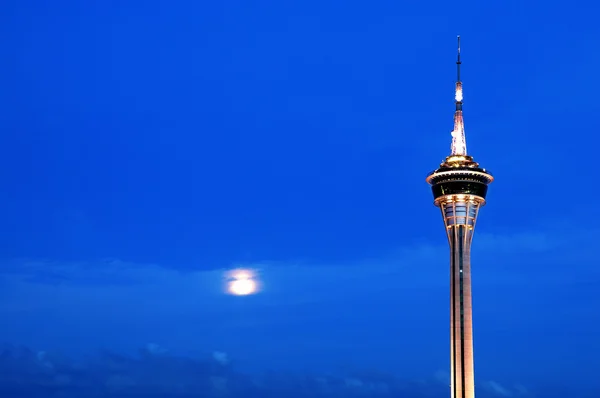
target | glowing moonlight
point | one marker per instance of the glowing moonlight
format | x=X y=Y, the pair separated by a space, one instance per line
x=242 y=282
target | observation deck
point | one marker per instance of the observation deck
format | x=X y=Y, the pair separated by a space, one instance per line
x=459 y=175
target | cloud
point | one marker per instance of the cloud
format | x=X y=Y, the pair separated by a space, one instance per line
x=303 y=307
x=498 y=390
x=30 y=285
x=493 y=388
x=443 y=377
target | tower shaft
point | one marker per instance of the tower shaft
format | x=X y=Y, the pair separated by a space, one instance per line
x=460 y=216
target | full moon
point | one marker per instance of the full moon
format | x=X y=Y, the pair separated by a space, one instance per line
x=242 y=287
x=241 y=283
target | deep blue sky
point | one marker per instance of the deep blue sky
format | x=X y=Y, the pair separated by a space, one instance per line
x=181 y=138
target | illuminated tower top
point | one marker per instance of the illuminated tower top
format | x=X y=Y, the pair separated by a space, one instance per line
x=459 y=174
x=459 y=142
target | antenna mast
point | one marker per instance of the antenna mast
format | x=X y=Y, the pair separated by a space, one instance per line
x=459 y=143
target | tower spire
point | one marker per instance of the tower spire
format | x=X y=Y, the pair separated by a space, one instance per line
x=459 y=143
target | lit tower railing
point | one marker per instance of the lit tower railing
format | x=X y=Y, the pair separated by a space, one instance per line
x=459 y=188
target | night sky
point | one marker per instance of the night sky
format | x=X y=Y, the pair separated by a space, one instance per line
x=149 y=146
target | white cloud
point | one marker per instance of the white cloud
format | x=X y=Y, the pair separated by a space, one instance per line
x=118 y=303
x=31 y=285
x=443 y=377
x=493 y=387
x=497 y=389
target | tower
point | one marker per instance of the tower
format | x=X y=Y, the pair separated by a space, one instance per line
x=459 y=188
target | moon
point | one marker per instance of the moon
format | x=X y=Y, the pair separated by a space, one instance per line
x=242 y=282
